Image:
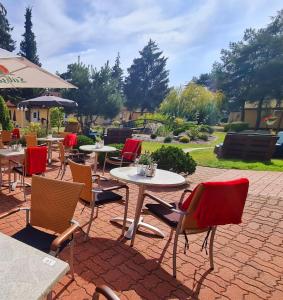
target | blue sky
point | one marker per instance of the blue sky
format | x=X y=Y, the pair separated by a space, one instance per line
x=190 y=32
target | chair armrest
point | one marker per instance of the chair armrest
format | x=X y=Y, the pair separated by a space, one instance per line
x=116 y=187
x=13 y=211
x=14 y=162
x=160 y=201
x=64 y=236
x=184 y=194
x=106 y=291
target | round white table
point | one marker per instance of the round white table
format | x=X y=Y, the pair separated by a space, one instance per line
x=49 y=141
x=96 y=150
x=162 y=178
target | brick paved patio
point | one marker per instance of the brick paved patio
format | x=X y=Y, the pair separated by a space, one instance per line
x=248 y=257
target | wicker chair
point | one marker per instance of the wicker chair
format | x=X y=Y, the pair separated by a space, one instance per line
x=96 y=197
x=50 y=227
x=6 y=136
x=64 y=155
x=105 y=291
x=209 y=205
x=34 y=163
x=129 y=153
x=31 y=140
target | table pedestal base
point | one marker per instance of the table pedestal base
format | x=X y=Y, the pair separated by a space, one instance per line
x=129 y=233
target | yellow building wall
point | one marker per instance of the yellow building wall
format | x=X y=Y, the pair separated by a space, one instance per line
x=250 y=117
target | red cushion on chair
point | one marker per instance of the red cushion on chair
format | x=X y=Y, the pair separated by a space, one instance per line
x=221 y=202
x=36 y=158
x=16 y=133
x=70 y=140
x=133 y=146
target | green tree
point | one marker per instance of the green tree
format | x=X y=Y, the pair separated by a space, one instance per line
x=6 y=41
x=28 y=47
x=79 y=75
x=194 y=103
x=57 y=117
x=108 y=99
x=117 y=74
x=147 y=82
x=5 y=120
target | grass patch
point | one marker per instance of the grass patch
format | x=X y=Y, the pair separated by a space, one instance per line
x=207 y=158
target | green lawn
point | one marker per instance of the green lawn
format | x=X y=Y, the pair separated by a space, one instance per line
x=206 y=157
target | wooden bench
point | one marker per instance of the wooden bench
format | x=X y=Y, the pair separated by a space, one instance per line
x=117 y=135
x=248 y=146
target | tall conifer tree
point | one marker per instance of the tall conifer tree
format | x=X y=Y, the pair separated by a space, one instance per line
x=6 y=41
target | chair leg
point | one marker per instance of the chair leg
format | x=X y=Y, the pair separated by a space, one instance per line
x=60 y=169
x=125 y=212
x=63 y=172
x=72 y=258
x=175 y=253
x=24 y=187
x=90 y=220
x=211 y=247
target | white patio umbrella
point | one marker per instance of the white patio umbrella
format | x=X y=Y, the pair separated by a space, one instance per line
x=18 y=72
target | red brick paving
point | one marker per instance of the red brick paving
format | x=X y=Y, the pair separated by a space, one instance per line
x=248 y=257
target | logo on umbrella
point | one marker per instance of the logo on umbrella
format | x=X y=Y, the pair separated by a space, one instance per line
x=3 y=70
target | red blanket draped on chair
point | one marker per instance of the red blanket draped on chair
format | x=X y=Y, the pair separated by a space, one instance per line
x=134 y=147
x=36 y=158
x=220 y=203
x=70 y=140
x=16 y=133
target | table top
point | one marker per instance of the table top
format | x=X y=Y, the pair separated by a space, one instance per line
x=92 y=148
x=50 y=139
x=27 y=273
x=10 y=153
x=161 y=178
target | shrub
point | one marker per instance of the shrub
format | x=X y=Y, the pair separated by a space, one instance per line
x=167 y=139
x=153 y=136
x=184 y=139
x=162 y=130
x=236 y=126
x=5 y=120
x=174 y=159
x=84 y=140
x=206 y=128
x=101 y=156
x=203 y=136
x=116 y=123
x=193 y=133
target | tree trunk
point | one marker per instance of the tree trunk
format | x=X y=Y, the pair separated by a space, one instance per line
x=258 y=116
x=243 y=112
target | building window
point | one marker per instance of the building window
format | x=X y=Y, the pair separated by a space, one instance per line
x=34 y=115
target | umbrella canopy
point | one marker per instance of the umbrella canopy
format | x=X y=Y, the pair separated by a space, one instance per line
x=48 y=102
x=18 y=72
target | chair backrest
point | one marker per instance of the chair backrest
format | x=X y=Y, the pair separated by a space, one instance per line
x=35 y=160
x=216 y=203
x=82 y=174
x=53 y=203
x=63 y=134
x=6 y=136
x=31 y=140
x=70 y=140
x=134 y=147
x=16 y=133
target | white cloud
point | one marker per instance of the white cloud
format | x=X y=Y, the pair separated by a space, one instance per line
x=191 y=33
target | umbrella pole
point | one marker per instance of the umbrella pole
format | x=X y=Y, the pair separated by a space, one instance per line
x=47 y=121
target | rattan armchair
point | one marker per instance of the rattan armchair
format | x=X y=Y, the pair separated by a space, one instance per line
x=202 y=211
x=64 y=155
x=95 y=197
x=34 y=163
x=6 y=137
x=49 y=224
x=31 y=140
